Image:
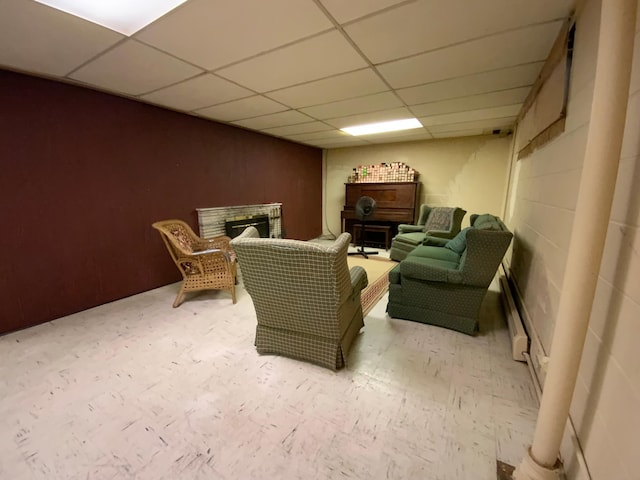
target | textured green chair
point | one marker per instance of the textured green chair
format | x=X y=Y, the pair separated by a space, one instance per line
x=429 y=225
x=444 y=283
x=307 y=301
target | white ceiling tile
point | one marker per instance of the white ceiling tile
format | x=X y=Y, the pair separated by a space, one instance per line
x=361 y=82
x=197 y=92
x=473 y=102
x=329 y=134
x=504 y=78
x=422 y=26
x=290 y=117
x=472 y=115
x=404 y=136
x=490 y=123
x=301 y=62
x=298 y=129
x=369 y=103
x=498 y=51
x=41 y=39
x=337 y=142
x=471 y=132
x=241 y=109
x=373 y=117
x=214 y=33
x=350 y=10
x=134 y=68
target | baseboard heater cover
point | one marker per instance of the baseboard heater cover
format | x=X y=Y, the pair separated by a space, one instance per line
x=519 y=338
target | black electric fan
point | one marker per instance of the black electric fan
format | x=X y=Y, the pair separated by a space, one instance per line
x=365 y=206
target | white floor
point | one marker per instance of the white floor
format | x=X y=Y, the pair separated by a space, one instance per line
x=138 y=390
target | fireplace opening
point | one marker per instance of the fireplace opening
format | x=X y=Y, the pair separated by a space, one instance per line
x=235 y=227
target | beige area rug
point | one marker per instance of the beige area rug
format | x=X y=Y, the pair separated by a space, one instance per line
x=378 y=275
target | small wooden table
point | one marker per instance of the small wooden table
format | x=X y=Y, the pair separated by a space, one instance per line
x=372 y=228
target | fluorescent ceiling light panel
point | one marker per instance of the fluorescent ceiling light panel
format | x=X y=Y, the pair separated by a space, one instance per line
x=124 y=16
x=392 y=126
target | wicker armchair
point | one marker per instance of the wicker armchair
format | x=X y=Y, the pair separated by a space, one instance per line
x=307 y=301
x=205 y=264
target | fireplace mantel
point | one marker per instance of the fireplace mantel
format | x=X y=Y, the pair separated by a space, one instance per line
x=211 y=221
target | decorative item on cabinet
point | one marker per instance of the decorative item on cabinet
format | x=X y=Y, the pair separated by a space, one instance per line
x=383 y=173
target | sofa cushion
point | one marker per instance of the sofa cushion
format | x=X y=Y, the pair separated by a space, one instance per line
x=415 y=238
x=435 y=241
x=458 y=244
x=430 y=269
x=435 y=253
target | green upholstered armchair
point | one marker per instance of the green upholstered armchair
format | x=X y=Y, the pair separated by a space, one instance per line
x=429 y=225
x=307 y=301
x=444 y=283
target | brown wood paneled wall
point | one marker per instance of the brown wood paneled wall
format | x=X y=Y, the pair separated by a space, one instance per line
x=84 y=174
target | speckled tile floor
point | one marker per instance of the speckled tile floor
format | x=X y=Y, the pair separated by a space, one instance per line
x=138 y=390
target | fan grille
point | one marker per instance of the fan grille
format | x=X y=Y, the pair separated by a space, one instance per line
x=365 y=206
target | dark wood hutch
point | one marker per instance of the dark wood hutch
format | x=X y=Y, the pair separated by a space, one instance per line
x=396 y=203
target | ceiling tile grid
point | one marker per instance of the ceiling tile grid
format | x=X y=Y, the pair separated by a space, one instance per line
x=332 y=89
x=423 y=26
x=318 y=57
x=355 y=105
x=531 y=44
x=303 y=69
x=38 y=39
x=514 y=96
x=281 y=119
x=249 y=107
x=198 y=92
x=484 y=82
x=299 y=128
x=134 y=68
x=215 y=33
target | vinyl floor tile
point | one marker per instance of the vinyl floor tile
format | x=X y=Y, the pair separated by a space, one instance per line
x=136 y=389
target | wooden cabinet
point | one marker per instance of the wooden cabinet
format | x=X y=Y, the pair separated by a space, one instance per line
x=396 y=202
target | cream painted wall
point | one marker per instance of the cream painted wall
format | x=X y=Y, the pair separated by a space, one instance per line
x=469 y=172
x=543 y=192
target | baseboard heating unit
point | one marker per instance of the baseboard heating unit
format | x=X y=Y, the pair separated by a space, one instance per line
x=519 y=338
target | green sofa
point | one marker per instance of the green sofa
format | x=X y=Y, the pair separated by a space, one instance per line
x=411 y=236
x=443 y=282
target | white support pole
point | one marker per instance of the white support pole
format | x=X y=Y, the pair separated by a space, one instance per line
x=602 y=155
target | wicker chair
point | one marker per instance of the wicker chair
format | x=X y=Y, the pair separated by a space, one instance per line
x=205 y=264
x=306 y=298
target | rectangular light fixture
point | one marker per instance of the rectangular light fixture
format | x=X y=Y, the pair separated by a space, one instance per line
x=391 y=126
x=123 y=16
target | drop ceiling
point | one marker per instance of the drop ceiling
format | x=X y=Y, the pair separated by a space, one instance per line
x=303 y=69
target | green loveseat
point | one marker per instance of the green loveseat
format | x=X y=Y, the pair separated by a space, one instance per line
x=444 y=281
x=411 y=236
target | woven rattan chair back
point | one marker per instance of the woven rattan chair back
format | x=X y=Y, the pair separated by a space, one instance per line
x=205 y=264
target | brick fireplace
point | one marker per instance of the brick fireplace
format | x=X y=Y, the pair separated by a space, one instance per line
x=266 y=217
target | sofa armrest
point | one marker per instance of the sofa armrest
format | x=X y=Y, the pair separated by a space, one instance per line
x=439 y=233
x=406 y=228
x=359 y=279
x=429 y=270
x=435 y=241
